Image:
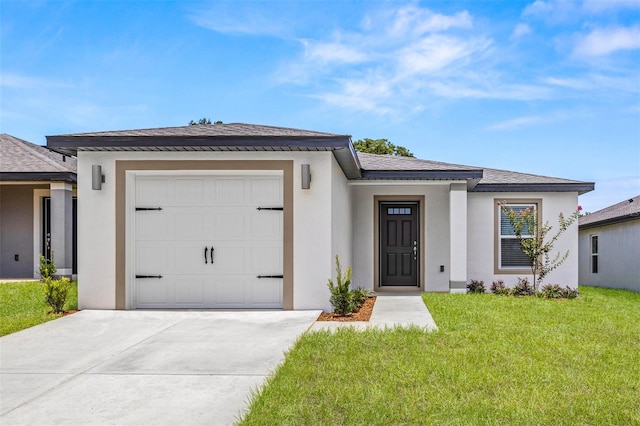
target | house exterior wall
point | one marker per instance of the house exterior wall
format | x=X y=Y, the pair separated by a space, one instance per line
x=482 y=234
x=618 y=254
x=16 y=231
x=313 y=244
x=435 y=234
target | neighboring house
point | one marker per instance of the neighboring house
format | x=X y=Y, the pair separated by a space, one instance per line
x=610 y=246
x=249 y=216
x=37 y=208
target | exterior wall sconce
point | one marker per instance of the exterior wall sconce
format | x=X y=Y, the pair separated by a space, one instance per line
x=306 y=176
x=97 y=178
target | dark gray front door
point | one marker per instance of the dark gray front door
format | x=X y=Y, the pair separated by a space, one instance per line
x=399 y=244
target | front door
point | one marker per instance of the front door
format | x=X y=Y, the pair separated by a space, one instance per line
x=399 y=244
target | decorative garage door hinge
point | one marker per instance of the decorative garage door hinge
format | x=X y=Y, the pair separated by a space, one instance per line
x=148 y=276
x=271 y=208
x=270 y=276
x=146 y=209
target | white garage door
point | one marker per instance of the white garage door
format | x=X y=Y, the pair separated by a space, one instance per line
x=208 y=241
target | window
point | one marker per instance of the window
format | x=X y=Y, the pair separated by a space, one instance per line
x=509 y=253
x=594 y=254
x=395 y=210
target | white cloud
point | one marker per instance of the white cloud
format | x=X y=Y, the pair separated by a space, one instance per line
x=516 y=123
x=240 y=19
x=597 y=6
x=17 y=81
x=521 y=30
x=415 y=21
x=601 y=42
x=327 y=52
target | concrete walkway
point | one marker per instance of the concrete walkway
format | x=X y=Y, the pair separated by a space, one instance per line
x=159 y=367
x=390 y=310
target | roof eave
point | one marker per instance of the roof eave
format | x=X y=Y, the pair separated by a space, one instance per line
x=579 y=187
x=39 y=176
x=423 y=174
x=610 y=221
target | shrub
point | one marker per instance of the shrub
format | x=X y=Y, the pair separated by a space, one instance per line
x=570 y=293
x=551 y=291
x=554 y=291
x=359 y=296
x=523 y=288
x=342 y=298
x=56 y=292
x=475 y=287
x=498 y=287
x=47 y=267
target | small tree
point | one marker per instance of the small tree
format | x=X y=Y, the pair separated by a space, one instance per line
x=381 y=147
x=342 y=298
x=534 y=243
x=47 y=267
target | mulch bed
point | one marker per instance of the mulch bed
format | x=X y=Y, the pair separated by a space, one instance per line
x=362 y=315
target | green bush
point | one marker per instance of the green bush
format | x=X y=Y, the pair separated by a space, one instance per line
x=56 y=292
x=551 y=291
x=498 y=287
x=47 y=267
x=476 y=287
x=342 y=297
x=359 y=296
x=523 y=288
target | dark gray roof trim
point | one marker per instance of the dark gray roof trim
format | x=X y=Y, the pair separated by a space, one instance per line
x=611 y=221
x=422 y=174
x=580 y=187
x=620 y=212
x=38 y=176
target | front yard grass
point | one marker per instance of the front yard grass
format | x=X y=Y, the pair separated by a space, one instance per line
x=494 y=360
x=22 y=305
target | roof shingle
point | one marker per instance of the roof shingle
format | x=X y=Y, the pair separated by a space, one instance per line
x=622 y=211
x=20 y=156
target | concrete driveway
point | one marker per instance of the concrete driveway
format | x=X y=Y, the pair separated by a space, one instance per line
x=143 y=367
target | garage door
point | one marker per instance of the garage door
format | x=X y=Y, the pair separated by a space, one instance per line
x=208 y=241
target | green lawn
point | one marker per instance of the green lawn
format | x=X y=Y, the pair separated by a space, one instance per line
x=22 y=305
x=495 y=360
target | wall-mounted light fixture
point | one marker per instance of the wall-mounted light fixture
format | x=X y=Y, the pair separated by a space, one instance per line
x=97 y=178
x=306 y=176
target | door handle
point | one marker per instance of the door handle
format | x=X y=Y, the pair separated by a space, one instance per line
x=205 y=255
x=415 y=250
x=211 y=252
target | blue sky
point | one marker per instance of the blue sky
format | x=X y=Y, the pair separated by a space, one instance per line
x=544 y=87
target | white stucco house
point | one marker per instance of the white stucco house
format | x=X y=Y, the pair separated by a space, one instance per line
x=37 y=208
x=609 y=242
x=252 y=216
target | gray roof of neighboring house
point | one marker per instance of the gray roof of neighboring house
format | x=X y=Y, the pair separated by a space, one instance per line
x=620 y=212
x=251 y=137
x=25 y=161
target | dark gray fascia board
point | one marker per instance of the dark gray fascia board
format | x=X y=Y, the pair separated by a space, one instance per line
x=340 y=145
x=580 y=187
x=423 y=174
x=39 y=176
x=73 y=143
x=611 y=221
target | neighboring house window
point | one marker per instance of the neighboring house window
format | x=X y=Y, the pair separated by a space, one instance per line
x=509 y=252
x=594 y=254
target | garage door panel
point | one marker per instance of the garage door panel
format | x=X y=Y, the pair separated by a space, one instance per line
x=154 y=293
x=153 y=191
x=266 y=191
x=228 y=226
x=189 y=191
x=154 y=259
x=230 y=191
x=153 y=225
x=190 y=291
x=266 y=226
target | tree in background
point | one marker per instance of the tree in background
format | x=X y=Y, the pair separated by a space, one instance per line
x=203 y=120
x=381 y=147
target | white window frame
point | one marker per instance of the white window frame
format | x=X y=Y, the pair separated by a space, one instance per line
x=594 y=255
x=536 y=204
